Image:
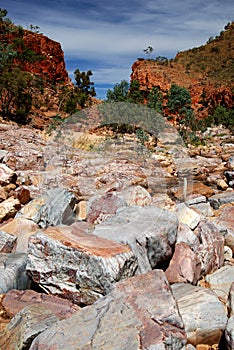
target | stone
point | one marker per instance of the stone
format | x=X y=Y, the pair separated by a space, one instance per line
x=211 y=249
x=103 y=206
x=184 y=267
x=23 y=195
x=185 y=234
x=139 y=313
x=197 y=188
x=221 y=281
x=7 y=242
x=6 y=175
x=136 y=195
x=70 y=262
x=202 y=312
x=230 y=302
x=221 y=198
x=231 y=162
x=222 y=185
x=22 y=229
x=149 y=231
x=230 y=177
x=204 y=209
x=9 y=208
x=51 y=209
x=13 y=272
x=187 y=215
x=16 y=300
x=3 y=194
x=25 y=326
x=81 y=210
x=229 y=334
x=225 y=224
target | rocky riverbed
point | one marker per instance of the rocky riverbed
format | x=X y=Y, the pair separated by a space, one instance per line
x=110 y=244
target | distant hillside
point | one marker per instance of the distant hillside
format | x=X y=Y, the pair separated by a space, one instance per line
x=215 y=59
x=206 y=71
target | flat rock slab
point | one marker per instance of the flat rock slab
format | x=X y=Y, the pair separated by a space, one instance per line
x=202 y=312
x=221 y=281
x=16 y=300
x=13 y=272
x=149 y=231
x=221 y=198
x=51 y=209
x=25 y=326
x=82 y=267
x=139 y=313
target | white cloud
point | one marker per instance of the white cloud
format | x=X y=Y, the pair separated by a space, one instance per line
x=111 y=35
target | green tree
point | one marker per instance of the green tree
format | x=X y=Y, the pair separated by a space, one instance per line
x=85 y=88
x=155 y=99
x=119 y=92
x=15 y=96
x=178 y=97
x=224 y=116
x=83 y=82
x=134 y=94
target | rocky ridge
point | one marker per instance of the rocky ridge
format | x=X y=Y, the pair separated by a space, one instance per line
x=134 y=248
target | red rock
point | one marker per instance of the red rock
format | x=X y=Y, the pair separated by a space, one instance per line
x=16 y=300
x=23 y=195
x=184 y=267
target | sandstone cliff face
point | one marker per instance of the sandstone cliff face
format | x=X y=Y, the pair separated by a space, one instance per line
x=51 y=68
x=204 y=94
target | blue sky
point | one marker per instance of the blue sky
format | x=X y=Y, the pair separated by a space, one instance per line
x=107 y=36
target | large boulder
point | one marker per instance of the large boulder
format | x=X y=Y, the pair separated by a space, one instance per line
x=25 y=326
x=139 y=313
x=149 y=231
x=202 y=312
x=51 y=209
x=71 y=262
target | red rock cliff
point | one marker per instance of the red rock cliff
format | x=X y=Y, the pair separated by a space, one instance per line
x=52 y=67
x=150 y=74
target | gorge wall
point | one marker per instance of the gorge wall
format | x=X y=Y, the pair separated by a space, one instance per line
x=205 y=94
x=52 y=66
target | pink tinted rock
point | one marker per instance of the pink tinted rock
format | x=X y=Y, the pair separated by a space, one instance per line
x=16 y=300
x=185 y=266
x=139 y=313
x=211 y=249
x=101 y=207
